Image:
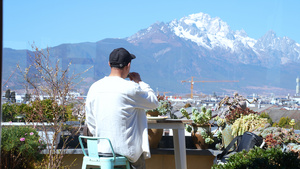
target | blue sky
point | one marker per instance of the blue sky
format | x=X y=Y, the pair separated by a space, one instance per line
x=53 y=22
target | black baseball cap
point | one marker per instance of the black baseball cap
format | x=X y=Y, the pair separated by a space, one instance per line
x=120 y=58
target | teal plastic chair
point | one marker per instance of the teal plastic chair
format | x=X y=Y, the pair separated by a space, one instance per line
x=104 y=161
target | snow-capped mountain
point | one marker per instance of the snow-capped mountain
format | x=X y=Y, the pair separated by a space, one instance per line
x=196 y=45
x=286 y=49
x=215 y=35
x=209 y=32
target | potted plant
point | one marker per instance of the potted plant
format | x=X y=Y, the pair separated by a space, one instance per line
x=200 y=128
x=164 y=108
x=248 y=123
x=229 y=110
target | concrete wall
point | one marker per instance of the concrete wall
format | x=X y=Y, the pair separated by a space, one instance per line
x=157 y=161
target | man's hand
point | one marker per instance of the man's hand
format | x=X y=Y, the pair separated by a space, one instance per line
x=135 y=77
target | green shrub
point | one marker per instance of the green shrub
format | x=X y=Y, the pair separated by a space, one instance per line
x=284 y=122
x=20 y=147
x=38 y=110
x=257 y=158
x=11 y=110
x=266 y=115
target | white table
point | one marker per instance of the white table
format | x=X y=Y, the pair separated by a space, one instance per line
x=178 y=138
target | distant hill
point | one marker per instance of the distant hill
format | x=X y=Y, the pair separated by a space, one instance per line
x=197 y=45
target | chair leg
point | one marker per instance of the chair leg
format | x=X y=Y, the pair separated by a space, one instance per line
x=83 y=164
x=127 y=165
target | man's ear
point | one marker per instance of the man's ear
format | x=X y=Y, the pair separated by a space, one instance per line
x=109 y=64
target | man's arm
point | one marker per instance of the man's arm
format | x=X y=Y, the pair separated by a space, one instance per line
x=145 y=97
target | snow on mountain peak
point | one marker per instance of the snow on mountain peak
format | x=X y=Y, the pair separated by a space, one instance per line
x=213 y=33
x=209 y=32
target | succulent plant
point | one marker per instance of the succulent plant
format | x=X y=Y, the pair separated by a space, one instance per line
x=188 y=128
x=219 y=146
x=185 y=113
x=164 y=108
x=247 y=123
x=220 y=122
x=228 y=104
x=201 y=117
x=282 y=136
x=294 y=148
x=219 y=134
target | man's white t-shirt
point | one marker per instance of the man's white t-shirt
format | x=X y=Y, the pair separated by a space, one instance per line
x=115 y=109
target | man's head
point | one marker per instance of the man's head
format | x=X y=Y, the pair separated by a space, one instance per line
x=119 y=58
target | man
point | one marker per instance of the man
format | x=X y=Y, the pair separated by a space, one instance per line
x=115 y=109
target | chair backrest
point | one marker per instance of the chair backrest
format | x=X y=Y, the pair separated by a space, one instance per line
x=92 y=146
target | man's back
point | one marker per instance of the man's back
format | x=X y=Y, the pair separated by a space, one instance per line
x=116 y=110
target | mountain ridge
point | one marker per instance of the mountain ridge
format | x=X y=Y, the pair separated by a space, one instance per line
x=196 y=45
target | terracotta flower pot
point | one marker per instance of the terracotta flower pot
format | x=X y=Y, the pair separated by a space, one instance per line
x=197 y=138
x=154 y=136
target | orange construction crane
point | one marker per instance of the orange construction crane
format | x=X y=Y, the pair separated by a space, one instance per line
x=192 y=83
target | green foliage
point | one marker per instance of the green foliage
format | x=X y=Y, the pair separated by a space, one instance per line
x=185 y=113
x=164 y=107
x=11 y=110
x=284 y=122
x=38 y=110
x=257 y=158
x=247 y=123
x=220 y=122
x=199 y=118
x=266 y=115
x=43 y=110
x=275 y=124
x=20 y=147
